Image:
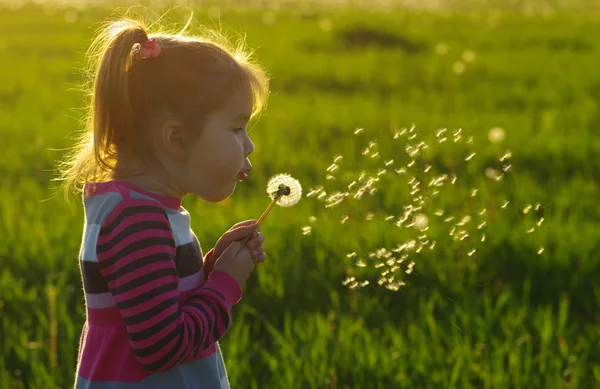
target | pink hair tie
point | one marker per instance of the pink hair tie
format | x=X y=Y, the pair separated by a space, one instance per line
x=149 y=49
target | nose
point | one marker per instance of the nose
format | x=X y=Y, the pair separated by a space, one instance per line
x=249 y=146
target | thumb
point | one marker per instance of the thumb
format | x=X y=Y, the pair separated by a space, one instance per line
x=232 y=250
x=241 y=232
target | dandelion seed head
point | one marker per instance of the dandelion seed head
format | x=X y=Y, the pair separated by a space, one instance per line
x=441 y=48
x=496 y=135
x=287 y=187
x=459 y=67
x=421 y=221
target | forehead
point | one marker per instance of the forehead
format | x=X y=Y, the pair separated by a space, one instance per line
x=239 y=105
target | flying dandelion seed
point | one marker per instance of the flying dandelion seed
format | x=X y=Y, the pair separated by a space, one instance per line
x=332 y=168
x=358 y=131
x=470 y=156
x=537 y=207
x=507 y=155
x=492 y=173
x=306 y=230
x=529 y=231
x=420 y=201
x=540 y=251
x=312 y=219
x=539 y=223
x=527 y=209
x=351 y=255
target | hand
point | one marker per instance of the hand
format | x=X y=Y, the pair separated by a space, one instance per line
x=236 y=261
x=241 y=232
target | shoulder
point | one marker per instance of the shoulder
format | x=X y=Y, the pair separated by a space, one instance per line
x=110 y=204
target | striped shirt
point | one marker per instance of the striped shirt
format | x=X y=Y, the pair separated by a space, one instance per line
x=154 y=310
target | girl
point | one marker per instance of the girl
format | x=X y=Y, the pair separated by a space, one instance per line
x=168 y=117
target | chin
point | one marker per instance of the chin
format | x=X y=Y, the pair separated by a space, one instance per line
x=216 y=197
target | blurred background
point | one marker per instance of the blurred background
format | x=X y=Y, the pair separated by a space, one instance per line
x=373 y=280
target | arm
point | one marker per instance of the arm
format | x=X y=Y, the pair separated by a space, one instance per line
x=136 y=253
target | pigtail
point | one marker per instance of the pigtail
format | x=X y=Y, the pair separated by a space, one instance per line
x=109 y=119
x=111 y=104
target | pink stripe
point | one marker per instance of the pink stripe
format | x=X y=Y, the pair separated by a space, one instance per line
x=133 y=238
x=139 y=309
x=147 y=287
x=156 y=356
x=134 y=219
x=144 y=252
x=155 y=338
x=140 y=271
x=150 y=322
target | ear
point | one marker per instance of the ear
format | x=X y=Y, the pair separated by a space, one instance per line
x=171 y=139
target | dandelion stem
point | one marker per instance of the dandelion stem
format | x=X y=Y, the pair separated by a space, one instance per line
x=263 y=216
x=266 y=212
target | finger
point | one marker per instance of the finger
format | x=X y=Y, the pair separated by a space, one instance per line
x=245 y=223
x=261 y=258
x=240 y=233
x=257 y=241
x=256 y=253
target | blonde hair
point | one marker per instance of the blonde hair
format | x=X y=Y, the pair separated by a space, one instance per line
x=192 y=77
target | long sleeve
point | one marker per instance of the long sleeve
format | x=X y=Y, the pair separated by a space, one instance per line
x=136 y=254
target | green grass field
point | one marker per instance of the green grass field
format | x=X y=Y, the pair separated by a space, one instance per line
x=505 y=317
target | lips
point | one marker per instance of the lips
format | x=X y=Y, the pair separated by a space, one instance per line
x=242 y=176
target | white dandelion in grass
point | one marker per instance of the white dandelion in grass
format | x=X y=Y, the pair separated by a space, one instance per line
x=417 y=195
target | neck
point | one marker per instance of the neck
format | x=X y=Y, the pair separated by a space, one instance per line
x=152 y=182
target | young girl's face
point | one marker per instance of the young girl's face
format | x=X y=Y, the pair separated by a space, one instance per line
x=221 y=152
